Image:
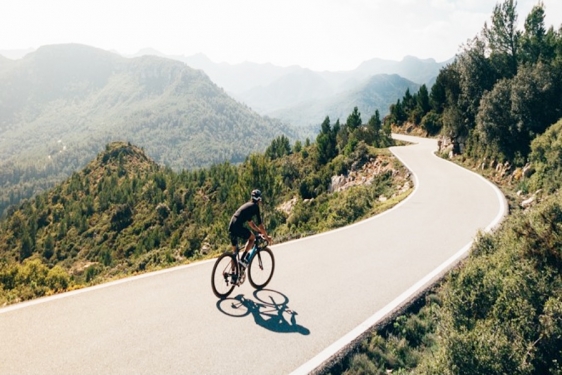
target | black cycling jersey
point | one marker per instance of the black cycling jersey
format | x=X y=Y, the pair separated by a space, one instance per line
x=246 y=212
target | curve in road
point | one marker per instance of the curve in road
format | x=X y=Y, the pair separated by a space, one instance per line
x=327 y=288
x=413 y=165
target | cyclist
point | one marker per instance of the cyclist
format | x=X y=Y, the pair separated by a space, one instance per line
x=246 y=214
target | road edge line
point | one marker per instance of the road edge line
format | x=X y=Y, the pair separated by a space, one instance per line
x=325 y=355
x=331 y=351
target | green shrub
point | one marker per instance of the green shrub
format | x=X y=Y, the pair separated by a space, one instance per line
x=57 y=279
x=546 y=156
x=501 y=310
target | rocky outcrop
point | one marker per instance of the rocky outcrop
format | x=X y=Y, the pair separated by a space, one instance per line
x=530 y=200
x=361 y=176
x=287 y=207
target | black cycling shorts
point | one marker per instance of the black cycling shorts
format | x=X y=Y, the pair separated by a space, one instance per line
x=238 y=231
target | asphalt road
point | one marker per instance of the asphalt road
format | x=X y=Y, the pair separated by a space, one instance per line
x=326 y=290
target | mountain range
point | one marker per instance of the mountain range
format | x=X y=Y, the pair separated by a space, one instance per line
x=61 y=104
x=302 y=97
x=288 y=93
x=77 y=95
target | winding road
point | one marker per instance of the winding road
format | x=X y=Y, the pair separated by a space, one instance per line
x=327 y=289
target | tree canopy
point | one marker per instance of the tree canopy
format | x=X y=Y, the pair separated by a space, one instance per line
x=503 y=89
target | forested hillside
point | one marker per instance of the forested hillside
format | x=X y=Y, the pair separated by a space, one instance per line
x=375 y=94
x=123 y=213
x=62 y=103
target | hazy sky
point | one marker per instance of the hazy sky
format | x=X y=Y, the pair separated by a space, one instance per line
x=316 y=34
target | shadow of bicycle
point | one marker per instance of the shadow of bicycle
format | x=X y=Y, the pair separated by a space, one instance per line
x=269 y=308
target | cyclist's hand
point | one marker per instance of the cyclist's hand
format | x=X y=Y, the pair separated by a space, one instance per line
x=269 y=240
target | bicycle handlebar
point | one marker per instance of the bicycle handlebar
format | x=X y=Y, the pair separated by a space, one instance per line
x=262 y=238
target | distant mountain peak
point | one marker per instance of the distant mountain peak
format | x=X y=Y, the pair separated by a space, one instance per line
x=416 y=59
x=149 y=51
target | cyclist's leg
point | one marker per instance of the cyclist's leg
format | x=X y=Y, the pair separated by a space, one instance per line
x=232 y=232
x=233 y=240
x=239 y=231
x=250 y=241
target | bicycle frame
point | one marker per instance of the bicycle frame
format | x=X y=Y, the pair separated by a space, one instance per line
x=259 y=243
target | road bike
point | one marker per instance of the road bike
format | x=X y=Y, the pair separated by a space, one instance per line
x=228 y=272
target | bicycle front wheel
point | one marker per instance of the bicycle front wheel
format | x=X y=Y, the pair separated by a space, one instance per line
x=225 y=275
x=261 y=268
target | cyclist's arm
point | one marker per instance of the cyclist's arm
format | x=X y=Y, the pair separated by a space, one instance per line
x=259 y=228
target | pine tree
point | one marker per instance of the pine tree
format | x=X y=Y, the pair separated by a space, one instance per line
x=374 y=127
x=503 y=38
x=354 y=120
x=534 y=46
x=326 y=143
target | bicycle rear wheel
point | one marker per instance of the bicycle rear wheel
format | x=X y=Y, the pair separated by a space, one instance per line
x=261 y=268
x=225 y=275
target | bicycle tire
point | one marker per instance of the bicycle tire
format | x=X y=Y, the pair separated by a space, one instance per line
x=224 y=275
x=261 y=268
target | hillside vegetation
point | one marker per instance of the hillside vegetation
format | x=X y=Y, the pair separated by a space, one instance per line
x=502 y=91
x=62 y=103
x=123 y=213
x=500 y=311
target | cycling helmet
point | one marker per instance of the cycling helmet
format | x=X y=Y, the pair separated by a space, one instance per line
x=256 y=195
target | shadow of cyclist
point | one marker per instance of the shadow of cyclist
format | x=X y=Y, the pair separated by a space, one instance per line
x=270 y=311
